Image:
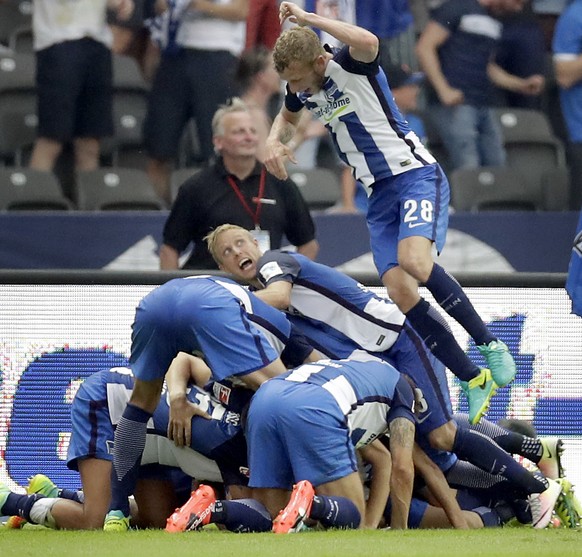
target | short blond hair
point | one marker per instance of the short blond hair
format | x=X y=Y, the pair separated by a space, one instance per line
x=235 y=104
x=298 y=44
x=212 y=238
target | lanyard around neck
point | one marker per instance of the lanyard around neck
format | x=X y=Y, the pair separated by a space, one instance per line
x=256 y=214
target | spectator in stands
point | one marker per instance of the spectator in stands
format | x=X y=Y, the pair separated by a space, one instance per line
x=74 y=78
x=393 y=23
x=522 y=52
x=132 y=37
x=237 y=189
x=567 y=52
x=195 y=75
x=455 y=50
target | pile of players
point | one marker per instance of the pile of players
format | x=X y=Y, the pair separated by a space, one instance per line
x=313 y=376
x=284 y=413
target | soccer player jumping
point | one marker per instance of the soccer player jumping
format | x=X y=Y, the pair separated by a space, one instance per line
x=408 y=191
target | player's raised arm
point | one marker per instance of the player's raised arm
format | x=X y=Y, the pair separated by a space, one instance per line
x=363 y=44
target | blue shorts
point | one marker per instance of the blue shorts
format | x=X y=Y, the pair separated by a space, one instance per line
x=414 y=203
x=409 y=355
x=296 y=431
x=92 y=431
x=196 y=314
x=415 y=515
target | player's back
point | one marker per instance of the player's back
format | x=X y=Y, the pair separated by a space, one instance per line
x=334 y=300
x=364 y=391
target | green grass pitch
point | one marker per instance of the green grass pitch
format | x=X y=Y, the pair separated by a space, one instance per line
x=510 y=542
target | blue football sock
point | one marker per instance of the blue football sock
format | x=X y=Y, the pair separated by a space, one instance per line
x=128 y=446
x=438 y=337
x=510 y=441
x=71 y=494
x=242 y=515
x=19 y=505
x=483 y=452
x=489 y=516
x=335 y=512
x=449 y=294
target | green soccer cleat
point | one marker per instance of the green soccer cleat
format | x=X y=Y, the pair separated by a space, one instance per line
x=567 y=506
x=43 y=485
x=500 y=362
x=479 y=391
x=116 y=521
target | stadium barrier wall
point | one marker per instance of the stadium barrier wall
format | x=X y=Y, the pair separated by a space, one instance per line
x=58 y=327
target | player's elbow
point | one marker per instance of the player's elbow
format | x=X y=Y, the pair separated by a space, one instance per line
x=371 y=43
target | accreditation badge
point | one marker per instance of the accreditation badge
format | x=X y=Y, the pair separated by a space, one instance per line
x=263 y=238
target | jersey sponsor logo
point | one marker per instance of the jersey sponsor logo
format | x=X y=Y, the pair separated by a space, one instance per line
x=333 y=109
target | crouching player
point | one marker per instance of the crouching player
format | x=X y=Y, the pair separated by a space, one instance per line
x=216 y=450
x=303 y=430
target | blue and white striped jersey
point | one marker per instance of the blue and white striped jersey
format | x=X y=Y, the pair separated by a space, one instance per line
x=336 y=305
x=370 y=394
x=369 y=132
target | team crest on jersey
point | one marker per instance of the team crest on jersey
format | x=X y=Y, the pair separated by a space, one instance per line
x=331 y=91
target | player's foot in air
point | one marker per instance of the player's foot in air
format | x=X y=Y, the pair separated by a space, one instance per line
x=195 y=513
x=551 y=464
x=116 y=521
x=479 y=391
x=290 y=519
x=499 y=361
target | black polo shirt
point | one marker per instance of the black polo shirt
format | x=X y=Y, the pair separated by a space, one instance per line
x=206 y=200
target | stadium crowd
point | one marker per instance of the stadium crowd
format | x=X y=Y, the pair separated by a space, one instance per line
x=142 y=123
